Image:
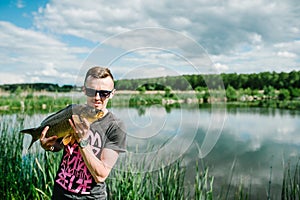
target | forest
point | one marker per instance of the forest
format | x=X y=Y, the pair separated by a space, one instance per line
x=50 y=87
x=237 y=81
x=285 y=83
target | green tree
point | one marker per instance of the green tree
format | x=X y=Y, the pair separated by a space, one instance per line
x=168 y=92
x=17 y=92
x=294 y=92
x=141 y=89
x=231 y=93
x=284 y=94
x=269 y=91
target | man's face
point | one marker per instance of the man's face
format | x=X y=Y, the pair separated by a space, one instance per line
x=98 y=92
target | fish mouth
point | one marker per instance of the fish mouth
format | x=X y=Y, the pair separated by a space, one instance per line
x=99 y=113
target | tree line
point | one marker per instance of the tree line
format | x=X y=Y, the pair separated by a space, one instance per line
x=270 y=85
x=50 y=87
x=253 y=81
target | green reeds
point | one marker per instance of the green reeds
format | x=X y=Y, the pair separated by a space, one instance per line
x=23 y=175
x=203 y=185
x=164 y=183
x=291 y=182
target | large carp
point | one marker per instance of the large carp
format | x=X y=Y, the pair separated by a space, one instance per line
x=59 y=122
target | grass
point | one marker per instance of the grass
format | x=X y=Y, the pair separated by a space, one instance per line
x=291 y=182
x=165 y=183
x=24 y=176
x=51 y=101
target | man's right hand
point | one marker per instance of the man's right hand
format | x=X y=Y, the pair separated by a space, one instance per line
x=47 y=143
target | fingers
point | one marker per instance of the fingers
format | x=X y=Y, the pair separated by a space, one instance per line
x=52 y=139
x=47 y=143
x=85 y=123
x=78 y=124
x=72 y=125
x=80 y=127
x=76 y=119
x=43 y=134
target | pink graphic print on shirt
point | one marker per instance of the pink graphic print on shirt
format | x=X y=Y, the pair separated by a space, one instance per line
x=73 y=174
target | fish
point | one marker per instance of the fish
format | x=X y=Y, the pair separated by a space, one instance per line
x=59 y=123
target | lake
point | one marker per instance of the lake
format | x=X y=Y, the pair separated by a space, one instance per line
x=249 y=146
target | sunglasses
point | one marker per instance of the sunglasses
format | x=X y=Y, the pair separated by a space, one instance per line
x=102 y=93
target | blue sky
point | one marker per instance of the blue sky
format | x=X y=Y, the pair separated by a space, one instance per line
x=56 y=41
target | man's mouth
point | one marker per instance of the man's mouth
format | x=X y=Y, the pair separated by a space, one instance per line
x=98 y=103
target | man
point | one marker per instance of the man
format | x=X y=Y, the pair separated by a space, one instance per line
x=88 y=161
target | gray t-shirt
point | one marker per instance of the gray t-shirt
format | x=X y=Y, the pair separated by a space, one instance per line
x=73 y=175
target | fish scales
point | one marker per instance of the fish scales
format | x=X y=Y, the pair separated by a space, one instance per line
x=59 y=121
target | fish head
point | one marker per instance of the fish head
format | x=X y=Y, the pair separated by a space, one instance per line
x=89 y=113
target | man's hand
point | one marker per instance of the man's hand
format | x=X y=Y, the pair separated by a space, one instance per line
x=81 y=128
x=47 y=143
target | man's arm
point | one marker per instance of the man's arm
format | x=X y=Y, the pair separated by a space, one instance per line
x=99 y=169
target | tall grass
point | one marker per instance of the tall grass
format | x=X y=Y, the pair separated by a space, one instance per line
x=291 y=182
x=24 y=176
x=165 y=183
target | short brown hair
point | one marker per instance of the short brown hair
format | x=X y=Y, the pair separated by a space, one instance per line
x=98 y=72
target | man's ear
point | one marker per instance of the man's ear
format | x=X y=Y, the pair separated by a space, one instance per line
x=112 y=93
x=83 y=89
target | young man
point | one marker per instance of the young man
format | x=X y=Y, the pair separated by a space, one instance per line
x=88 y=161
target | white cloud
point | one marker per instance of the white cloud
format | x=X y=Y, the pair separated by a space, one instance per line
x=206 y=20
x=20 y=4
x=23 y=51
x=10 y=78
x=286 y=54
x=221 y=67
x=221 y=27
x=247 y=36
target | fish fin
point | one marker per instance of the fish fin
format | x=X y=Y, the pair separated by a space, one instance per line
x=67 y=139
x=73 y=140
x=33 y=133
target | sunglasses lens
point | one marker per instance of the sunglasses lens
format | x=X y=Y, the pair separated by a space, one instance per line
x=92 y=93
x=103 y=94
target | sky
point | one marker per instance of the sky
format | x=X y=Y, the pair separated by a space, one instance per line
x=56 y=41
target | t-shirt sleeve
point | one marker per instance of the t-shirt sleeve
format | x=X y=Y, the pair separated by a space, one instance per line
x=116 y=137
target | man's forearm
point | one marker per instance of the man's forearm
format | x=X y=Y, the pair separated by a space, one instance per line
x=97 y=167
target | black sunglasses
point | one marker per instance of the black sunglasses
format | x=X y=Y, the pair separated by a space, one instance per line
x=102 y=93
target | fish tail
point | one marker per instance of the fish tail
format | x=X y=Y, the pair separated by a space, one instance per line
x=33 y=132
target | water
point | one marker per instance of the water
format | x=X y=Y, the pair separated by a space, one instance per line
x=253 y=148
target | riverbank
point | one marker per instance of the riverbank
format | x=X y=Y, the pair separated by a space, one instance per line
x=50 y=101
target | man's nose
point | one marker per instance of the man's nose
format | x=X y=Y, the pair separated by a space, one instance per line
x=97 y=96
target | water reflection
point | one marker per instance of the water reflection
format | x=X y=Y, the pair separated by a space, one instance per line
x=254 y=147
x=157 y=137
